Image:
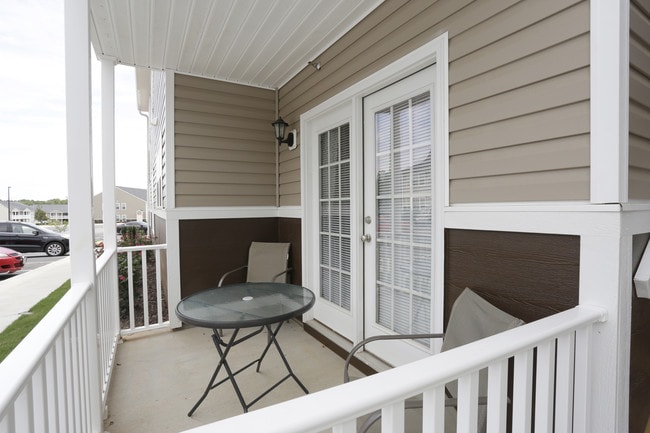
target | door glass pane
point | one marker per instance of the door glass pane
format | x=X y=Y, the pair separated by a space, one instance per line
x=403 y=201
x=335 y=281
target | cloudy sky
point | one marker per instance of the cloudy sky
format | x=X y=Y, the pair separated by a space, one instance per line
x=32 y=107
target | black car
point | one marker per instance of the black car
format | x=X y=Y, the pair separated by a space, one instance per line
x=28 y=238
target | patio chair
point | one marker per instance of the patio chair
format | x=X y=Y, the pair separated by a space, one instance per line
x=267 y=262
x=472 y=318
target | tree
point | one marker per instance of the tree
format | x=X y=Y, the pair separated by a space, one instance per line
x=40 y=215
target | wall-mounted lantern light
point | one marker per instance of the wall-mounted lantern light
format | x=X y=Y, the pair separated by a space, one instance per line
x=280 y=126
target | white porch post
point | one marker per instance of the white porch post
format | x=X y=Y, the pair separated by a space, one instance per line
x=173 y=222
x=108 y=154
x=609 y=89
x=79 y=150
x=606 y=281
x=606 y=258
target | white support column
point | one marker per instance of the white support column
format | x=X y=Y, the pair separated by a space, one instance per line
x=173 y=219
x=606 y=281
x=609 y=74
x=173 y=267
x=108 y=154
x=79 y=150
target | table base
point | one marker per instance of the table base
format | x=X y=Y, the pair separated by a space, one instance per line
x=224 y=349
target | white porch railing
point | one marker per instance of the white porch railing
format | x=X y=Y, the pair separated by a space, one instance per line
x=141 y=286
x=108 y=318
x=560 y=344
x=46 y=381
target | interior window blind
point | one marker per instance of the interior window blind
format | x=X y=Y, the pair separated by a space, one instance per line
x=334 y=166
x=404 y=198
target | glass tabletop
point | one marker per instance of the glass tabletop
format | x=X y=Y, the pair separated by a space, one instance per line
x=244 y=305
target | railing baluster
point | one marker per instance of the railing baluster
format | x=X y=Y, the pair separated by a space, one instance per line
x=497 y=409
x=523 y=384
x=467 y=403
x=392 y=418
x=159 y=312
x=145 y=288
x=39 y=399
x=564 y=378
x=346 y=427
x=433 y=410
x=582 y=383
x=129 y=263
x=544 y=387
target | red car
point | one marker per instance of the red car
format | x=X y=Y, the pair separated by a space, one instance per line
x=10 y=261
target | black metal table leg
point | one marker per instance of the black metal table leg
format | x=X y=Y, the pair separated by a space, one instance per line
x=222 y=361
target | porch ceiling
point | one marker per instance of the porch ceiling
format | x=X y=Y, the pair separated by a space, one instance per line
x=257 y=42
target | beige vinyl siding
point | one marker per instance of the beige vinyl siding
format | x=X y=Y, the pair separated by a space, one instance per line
x=519 y=90
x=639 y=186
x=224 y=147
x=157 y=140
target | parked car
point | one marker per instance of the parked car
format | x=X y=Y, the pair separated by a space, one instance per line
x=10 y=261
x=28 y=238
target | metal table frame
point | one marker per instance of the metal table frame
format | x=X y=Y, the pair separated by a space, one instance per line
x=224 y=346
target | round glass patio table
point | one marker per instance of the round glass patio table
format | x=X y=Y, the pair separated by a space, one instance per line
x=245 y=305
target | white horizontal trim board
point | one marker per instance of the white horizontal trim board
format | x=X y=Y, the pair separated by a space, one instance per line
x=551 y=218
x=199 y=213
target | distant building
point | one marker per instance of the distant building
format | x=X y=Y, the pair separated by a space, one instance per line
x=54 y=212
x=130 y=204
x=26 y=213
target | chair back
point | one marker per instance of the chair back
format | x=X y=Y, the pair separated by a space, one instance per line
x=473 y=318
x=266 y=260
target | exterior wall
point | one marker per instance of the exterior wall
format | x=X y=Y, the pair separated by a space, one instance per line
x=157 y=141
x=529 y=275
x=639 y=186
x=225 y=154
x=519 y=92
x=129 y=206
x=210 y=248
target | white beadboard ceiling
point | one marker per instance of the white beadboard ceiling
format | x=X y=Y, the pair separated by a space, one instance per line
x=256 y=42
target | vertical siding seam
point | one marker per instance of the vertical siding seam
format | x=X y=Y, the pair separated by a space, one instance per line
x=277 y=152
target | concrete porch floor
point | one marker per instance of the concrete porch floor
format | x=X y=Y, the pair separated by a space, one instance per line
x=158 y=378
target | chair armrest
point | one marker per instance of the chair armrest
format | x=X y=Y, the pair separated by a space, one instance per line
x=286 y=271
x=359 y=345
x=223 y=277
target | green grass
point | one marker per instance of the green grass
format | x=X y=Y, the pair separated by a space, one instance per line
x=14 y=333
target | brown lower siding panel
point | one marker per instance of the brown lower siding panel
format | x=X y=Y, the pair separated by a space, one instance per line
x=289 y=230
x=640 y=352
x=209 y=248
x=528 y=275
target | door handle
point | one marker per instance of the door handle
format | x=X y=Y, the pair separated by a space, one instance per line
x=366 y=238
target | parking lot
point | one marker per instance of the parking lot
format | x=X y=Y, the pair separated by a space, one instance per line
x=34 y=261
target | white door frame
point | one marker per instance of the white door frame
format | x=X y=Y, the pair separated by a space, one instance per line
x=435 y=51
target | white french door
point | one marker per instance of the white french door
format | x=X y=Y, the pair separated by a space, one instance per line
x=398 y=224
x=374 y=176
x=331 y=201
